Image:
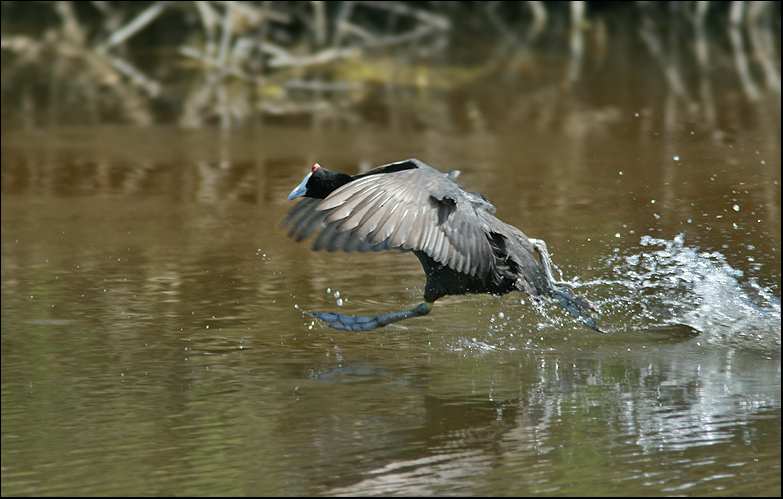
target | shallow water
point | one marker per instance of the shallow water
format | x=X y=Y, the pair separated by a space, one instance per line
x=155 y=338
x=155 y=342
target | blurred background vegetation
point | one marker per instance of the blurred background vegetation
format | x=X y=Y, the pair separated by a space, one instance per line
x=464 y=66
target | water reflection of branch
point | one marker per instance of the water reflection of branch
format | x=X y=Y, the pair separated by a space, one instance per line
x=576 y=40
x=740 y=58
x=652 y=39
x=701 y=49
x=744 y=22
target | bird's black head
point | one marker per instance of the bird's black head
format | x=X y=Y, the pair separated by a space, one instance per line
x=319 y=183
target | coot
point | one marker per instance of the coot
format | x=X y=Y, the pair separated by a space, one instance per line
x=410 y=206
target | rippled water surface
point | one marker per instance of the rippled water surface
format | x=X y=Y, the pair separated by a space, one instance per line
x=156 y=344
x=155 y=338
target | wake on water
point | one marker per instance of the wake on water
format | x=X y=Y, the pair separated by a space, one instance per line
x=676 y=286
x=667 y=288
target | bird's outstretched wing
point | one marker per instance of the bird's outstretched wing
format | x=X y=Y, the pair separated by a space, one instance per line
x=410 y=209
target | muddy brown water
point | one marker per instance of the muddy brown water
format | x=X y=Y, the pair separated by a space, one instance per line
x=155 y=340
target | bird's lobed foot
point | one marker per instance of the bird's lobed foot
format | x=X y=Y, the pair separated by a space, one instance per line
x=348 y=322
x=575 y=305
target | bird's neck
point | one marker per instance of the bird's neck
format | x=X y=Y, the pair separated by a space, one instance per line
x=331 y=182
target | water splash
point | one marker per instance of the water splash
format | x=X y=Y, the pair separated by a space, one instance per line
x=678 y=285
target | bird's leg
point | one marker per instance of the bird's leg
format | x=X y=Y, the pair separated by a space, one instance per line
x=540 y=246
x=354 y=323
x=561 y=291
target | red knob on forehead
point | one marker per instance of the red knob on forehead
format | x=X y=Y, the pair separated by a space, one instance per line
x=316 y=166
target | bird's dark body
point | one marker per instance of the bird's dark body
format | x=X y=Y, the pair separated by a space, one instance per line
x=506 y=275
x=410 y=206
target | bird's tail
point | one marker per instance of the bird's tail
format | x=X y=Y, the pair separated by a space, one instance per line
x=576 y=305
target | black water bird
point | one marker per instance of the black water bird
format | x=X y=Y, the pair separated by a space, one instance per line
x=410 y=206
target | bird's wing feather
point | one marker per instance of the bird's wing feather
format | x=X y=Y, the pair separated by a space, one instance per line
x=418 y=209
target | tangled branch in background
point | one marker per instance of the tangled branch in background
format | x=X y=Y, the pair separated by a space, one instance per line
x=236 y=63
